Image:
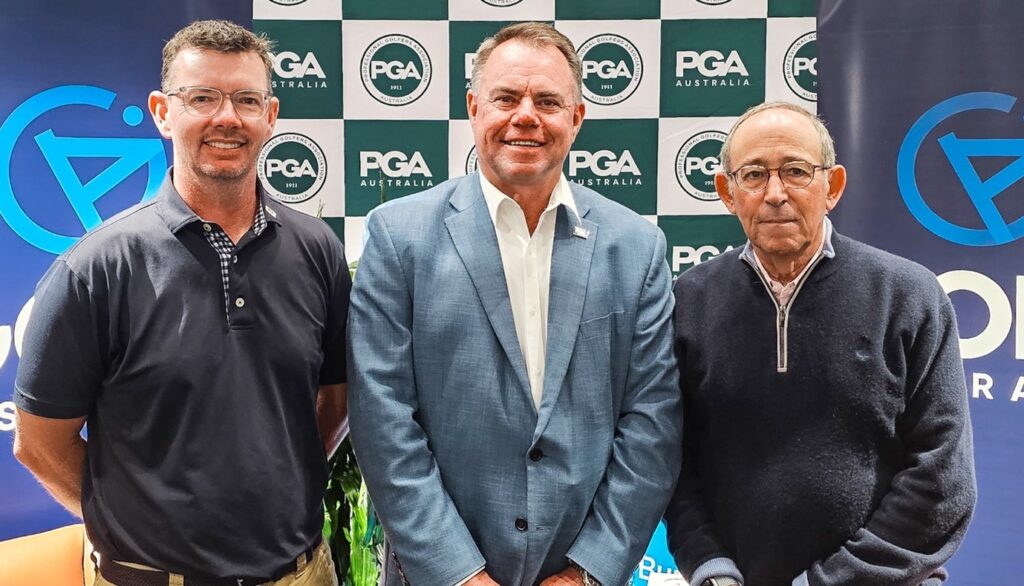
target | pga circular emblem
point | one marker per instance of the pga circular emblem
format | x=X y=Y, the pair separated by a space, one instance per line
x=501 y=3
x=697 y=162
x=612 y=69
x=395 y=70
x=292 y=167
x=287 y=2
x=714 y=2
x=800 y=67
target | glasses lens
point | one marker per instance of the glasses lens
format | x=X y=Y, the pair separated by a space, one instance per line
x=797 y=174
x=202 y=101
x=249 y=103
x=752 y=177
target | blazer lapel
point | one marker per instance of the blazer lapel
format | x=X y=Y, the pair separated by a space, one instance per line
x=472 y=231
x=571 y=256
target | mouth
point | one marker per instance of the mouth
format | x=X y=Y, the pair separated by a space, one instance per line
x=224 y=144
x=523 y=143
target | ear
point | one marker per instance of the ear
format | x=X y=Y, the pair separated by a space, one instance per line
x=158 y=109
x=471 y=104
x=836 y=186
x=273 y=109
x=722 y=188
x=578 y=113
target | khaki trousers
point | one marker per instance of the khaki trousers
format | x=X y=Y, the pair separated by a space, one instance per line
x=318 y=571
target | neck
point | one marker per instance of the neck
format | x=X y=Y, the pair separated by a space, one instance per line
x=231 y=204
x=532 y=199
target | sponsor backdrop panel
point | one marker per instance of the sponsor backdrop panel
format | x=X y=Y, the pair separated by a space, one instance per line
x=619 y=159
x=388 y=159
x=296 y=9
x=301 y=165
x=712 y=67
x=502 y=10
x=620 y=60
x=607 y=9
x=688 y=151
x=695 y=239
x=461 y=150
x=307 y=66
x=394 y=9
x=396 y=69
x=933 y=150
x=791 y=62
x=76 y=147
x=714 y=9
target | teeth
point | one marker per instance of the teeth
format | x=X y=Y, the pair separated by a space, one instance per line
x=224 y=145
x=531 y=143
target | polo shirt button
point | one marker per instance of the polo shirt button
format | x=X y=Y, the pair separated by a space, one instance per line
x=536 y=454
x=234 y=259
x=207 y=227
x=521 y=524
x=239 y=302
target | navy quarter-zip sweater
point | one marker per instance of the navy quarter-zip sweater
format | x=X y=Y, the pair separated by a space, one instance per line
x=854 y=465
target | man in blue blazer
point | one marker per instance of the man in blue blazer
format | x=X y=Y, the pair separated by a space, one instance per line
x=513 y=392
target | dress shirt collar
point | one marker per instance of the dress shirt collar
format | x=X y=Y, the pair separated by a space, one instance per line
x=561 y=195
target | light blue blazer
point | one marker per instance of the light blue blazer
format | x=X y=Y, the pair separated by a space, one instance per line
x=462 y=468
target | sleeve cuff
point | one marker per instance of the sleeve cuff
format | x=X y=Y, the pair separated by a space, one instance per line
x=714 y=568
x=470 y=577
x=801 y=580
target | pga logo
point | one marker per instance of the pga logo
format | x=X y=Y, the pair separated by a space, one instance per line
x=694 y=255
x=706 y=165
x=606 y=69
x=394 y=164
x=710 y=63
x=394 y=70
x=290 y=65
x=290 y=168
x=602 y=163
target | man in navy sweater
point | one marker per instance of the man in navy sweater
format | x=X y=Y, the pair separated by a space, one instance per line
x=827 y=438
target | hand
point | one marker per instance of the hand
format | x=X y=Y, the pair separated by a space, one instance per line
x=567 y=577
x=481 y=579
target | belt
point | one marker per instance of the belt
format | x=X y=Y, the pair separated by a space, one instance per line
x=123 y=575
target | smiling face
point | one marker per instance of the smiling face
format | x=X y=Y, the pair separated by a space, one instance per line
x=783 y=224
x=524 y=117
x=223 y=147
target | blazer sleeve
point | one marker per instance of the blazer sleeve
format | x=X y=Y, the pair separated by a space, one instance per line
x=646 y=448
x=922 y=520
x=430 y=539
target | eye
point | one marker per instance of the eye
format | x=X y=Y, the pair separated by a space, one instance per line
x=752 y=174
x=248 y=100
x=797 y=172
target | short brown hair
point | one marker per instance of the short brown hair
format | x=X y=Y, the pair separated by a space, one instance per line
x=539 y=34
x=215 y=35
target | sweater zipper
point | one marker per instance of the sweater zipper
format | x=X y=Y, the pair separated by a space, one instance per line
x=782 y=313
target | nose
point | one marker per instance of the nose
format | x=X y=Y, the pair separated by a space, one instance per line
x=775 y=193
x=525 y=113
x=226 y=114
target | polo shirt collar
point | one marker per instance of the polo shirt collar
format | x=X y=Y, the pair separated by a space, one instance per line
x=177 y=214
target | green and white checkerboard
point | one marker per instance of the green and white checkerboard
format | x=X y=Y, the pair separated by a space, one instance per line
x=373 y=99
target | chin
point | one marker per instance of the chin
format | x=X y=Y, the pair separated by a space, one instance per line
x=224 y=173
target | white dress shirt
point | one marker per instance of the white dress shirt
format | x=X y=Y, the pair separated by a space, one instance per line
x=527 y=263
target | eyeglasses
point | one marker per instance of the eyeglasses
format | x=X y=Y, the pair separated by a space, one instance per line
x=794 y=175
x=205 y=102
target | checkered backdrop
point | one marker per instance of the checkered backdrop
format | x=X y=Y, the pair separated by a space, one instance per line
x=373 y=100
x=373 y=106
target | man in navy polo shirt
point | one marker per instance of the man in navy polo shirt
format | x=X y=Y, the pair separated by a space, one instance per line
x=201 y=337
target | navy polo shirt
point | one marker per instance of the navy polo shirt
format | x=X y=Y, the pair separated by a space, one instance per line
x=204 y=456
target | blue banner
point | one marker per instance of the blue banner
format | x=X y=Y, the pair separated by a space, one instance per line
x=924 y=101
x=76 y=146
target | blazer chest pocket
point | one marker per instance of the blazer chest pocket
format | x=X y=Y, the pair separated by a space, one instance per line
x=599 y=326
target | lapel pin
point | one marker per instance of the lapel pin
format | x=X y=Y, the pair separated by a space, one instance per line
x=581 y=232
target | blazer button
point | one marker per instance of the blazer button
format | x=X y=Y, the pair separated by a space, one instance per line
x=521 y=524
x=536 y=454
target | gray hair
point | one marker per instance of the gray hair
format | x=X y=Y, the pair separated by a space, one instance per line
x=221 y=36
x=540 y=35
x=828 y=147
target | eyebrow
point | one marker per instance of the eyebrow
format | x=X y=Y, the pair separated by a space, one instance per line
x=500 y=90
